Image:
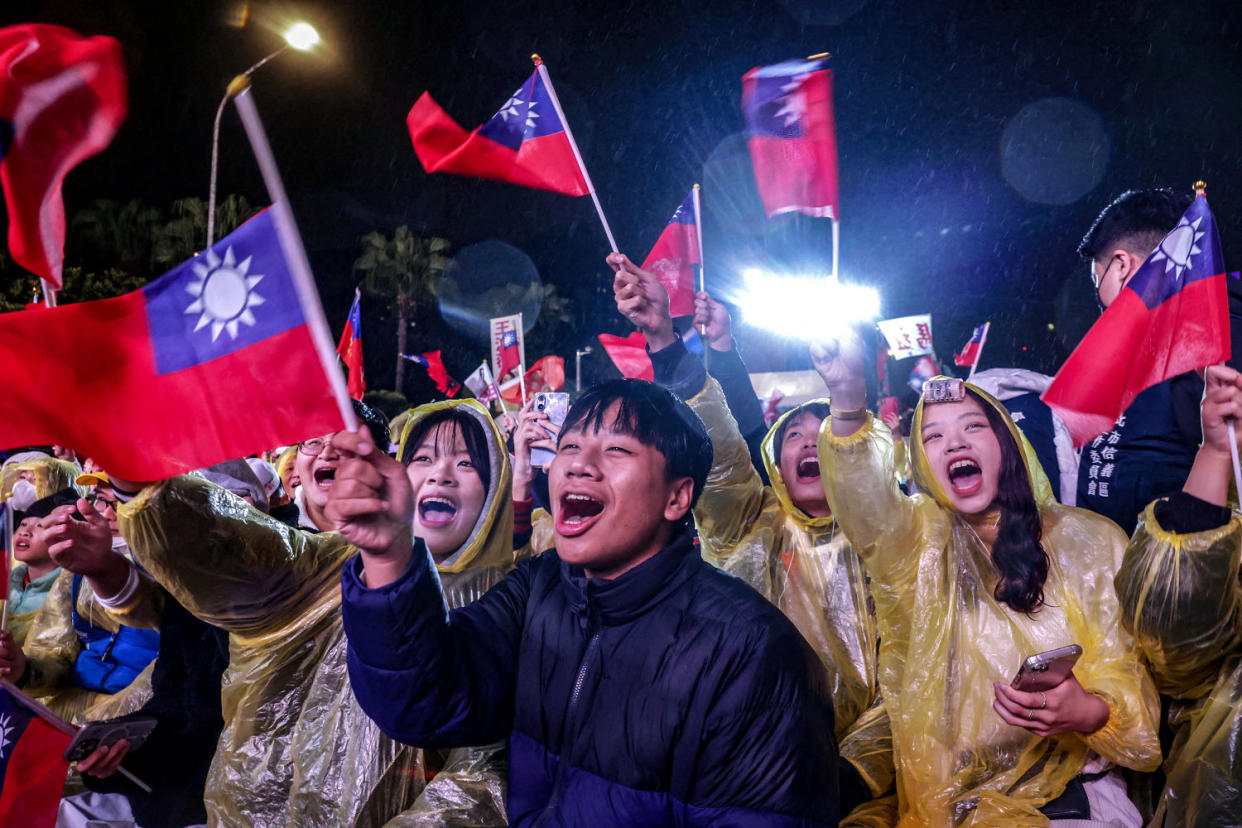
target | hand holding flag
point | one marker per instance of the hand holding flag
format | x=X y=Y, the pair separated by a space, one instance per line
x=674 y=256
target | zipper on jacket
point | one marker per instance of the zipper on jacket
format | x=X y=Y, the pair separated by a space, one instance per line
x=567 y=738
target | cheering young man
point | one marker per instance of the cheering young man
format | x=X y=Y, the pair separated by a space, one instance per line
x=636 y=684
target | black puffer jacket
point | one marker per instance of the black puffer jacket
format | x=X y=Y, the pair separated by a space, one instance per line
x=671 y=695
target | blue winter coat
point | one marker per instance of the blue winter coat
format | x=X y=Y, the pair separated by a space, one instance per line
x=671 y=695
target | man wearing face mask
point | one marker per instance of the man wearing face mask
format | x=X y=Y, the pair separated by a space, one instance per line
x=1149 y=451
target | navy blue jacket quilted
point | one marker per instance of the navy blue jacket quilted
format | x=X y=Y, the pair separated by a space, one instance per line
x=671 y=695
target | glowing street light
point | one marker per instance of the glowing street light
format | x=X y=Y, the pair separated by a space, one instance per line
x=300 y=36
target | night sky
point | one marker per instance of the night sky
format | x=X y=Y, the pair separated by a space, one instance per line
x=977 y=140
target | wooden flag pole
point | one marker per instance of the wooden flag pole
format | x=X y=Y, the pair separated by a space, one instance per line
x=291 y=245
x=560 y=113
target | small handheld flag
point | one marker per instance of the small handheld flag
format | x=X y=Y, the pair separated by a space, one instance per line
x=32 y=763
x=1172 y=316
x=674 y=256
x=923 y=370
x=969 y=357
x=62 y=98
x=908 y=336
x=547 y=374
x=527 y=142
x=508 y=348
x=350 y=349
x=629 y=354
x=435 y=369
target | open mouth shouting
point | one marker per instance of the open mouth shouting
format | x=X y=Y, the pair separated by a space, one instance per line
x=577 y=513
x=808 y=469
x=323 y=477
x=965 y=476
x=435 y=511
x=21 y=544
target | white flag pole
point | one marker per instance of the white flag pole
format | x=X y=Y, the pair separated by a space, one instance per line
x=491 y=380
x=836 y=248
x=560 y=113
x=987 y=326
x=49 y=293
x=698 y=231
x=8 y=550
x=291 y=245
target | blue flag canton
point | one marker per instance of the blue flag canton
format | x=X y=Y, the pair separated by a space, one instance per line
x=14 y=719
x=234 y=295
x=529 y=113
x=1190 y=252
x=776 y=105
x=685 y=213
x=355 y=319
x=508 y=339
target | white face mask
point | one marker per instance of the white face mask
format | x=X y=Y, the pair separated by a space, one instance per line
x=24 y=495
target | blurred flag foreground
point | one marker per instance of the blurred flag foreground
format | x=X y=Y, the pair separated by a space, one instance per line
x=674 y=256
x=524 y=143
x=213 y=360
x=1171 y=317
x=32 y=764
x=62 y=97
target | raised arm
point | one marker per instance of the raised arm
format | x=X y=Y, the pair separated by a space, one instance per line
x=733 y=497
x=425 y=676
x=1178 y=583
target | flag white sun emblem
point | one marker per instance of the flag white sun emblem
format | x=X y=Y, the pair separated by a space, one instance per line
x=223 y=293
x=1180 y=246
x=6 y=730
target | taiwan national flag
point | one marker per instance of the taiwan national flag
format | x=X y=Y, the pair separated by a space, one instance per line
x=62 y=97
x=214 y=360
x=435 y=369
x=508 y=349
x=969 y=356
x=629 y=354
x=1171 y=317
x=674 y=256
x=793 y=143
x=349 y=349
x=527 y=142
x=32 y=765
x=923 y=370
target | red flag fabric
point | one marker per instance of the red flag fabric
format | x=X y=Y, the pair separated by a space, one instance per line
x=435 y=369
x=792 y=138
x=674 y=256
x=629 y=354
x=62 y=97
x=508 y=345
x=547 y=374
x=969 y=357
x=32 y=765
x=525 y=143
x=1171 y=317
x=214 y=360
x=349 y=349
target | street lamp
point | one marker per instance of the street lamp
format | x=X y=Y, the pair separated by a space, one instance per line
x=300 y=36
x=578 y=367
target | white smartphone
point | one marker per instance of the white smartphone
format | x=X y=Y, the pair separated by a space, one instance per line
x=556 y=405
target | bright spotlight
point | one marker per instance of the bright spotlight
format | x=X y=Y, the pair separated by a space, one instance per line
x=803 y=307
x=302 y=36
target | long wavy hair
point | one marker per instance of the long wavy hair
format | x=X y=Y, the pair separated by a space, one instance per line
x=1018 y=553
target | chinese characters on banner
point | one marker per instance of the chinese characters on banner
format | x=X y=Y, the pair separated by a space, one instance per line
x=1101 y=457
x=908 y=336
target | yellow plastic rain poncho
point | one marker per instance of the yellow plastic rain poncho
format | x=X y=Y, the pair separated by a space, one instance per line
x=945 y=639
x=296 y=749
x=1182 y=599
x=806 y=567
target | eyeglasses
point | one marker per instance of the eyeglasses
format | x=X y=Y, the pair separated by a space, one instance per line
x=315 y=447
x=106 y=502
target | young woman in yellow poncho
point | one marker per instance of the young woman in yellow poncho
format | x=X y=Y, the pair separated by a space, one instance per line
x=980 y=571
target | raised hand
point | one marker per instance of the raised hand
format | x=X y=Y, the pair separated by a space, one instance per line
x=79 y=539
x=643 y=300
x=1066 y=707
x=840 y=362
x=1222 y=404
x=371 y=503
x=711 y=319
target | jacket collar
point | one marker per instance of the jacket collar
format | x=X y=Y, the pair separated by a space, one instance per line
x=635 y=592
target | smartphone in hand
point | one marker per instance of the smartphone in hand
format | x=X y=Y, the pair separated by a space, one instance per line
x=556 y=405
x=1044 y=671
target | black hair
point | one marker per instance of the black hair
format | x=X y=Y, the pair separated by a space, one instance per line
x=1018 y=553
x=819 y=409
x=44 y=506
x=653 y=416
x=375 y=421
x=1136 y=221
x=472 y=433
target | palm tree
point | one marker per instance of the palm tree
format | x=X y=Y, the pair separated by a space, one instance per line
x=403 y=270
x=184 y=235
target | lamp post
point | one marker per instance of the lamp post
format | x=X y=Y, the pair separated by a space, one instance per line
x=578 y=367
x=300 y=36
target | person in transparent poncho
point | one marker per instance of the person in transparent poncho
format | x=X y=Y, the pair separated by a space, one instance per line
x=970 y=577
